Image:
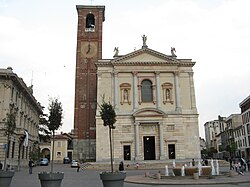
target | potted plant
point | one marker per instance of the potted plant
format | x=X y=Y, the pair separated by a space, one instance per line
x=110 y=179
x=10 y=126
x=54 y=122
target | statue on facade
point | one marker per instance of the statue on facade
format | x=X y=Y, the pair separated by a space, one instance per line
x=116 y=50
x=144 y=40
x=173 y=51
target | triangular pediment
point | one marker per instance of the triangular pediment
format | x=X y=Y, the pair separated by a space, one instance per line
x=145 y=56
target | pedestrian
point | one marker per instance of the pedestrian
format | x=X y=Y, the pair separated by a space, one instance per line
x=78 y=166
x=137 y=165
x=193 y=162
x=121 y=166
x=1 y=165
x=206 y=162
x=30 y=166
x=231 y=163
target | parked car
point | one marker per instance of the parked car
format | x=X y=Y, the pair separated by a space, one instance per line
x=74 y=164
x=44 y=162
x=66 y=160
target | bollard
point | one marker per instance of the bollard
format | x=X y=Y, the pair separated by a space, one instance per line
x=196 y=176
x=146 y=174
x=231 y=173
x=158 y=175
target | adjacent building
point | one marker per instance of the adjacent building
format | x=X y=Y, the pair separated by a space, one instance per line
x=229 y=136
x=16 y=97
x=63 y=147
x=212 y=130
x=245 y=113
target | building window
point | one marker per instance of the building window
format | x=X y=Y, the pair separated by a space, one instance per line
x=58 y=154
x=125 y=89
x=126 y=152
x=171 y=151
x=167 y=90
x=146 y=91
x=90 y=23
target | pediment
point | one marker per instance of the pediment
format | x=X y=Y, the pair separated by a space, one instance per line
x=145 y=56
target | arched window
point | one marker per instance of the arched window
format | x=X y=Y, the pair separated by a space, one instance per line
x=90 y=21
x=146 y=91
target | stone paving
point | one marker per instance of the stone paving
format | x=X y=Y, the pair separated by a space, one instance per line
x=135 y=178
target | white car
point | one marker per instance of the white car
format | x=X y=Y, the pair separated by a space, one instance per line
x=74 y=164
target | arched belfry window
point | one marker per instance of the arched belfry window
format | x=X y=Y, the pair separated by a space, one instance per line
x=146 y=91
x=90 y=22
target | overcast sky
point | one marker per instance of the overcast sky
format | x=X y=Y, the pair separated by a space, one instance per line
x=38 y=40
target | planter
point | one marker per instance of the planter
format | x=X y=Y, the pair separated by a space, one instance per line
x=50 y=179
x=5 y=178
x=115 y=179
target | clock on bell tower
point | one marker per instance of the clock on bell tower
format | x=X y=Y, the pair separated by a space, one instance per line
x=89 y=50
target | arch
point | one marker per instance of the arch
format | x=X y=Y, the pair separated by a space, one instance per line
x=45 y=152
x=146 y=91
x=149 y=112
x=90 y=21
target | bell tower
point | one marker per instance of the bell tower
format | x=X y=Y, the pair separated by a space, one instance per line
x=89 y=50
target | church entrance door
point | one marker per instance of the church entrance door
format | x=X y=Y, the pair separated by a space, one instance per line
x=149 y=147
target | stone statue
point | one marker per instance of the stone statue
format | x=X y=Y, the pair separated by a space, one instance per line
x=116 y=50
x=173 y=51
x=144 y=39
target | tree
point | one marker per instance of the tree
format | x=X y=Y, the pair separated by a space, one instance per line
x=43 y=131
x=54 y=122
x=10 y=126
x=108 y=116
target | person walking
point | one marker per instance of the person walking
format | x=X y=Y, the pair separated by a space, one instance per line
x=78 y=166
x=121 y=166
x=193 y=162
x=30 y=166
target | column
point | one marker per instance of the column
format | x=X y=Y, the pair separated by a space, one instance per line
x=157 y=89
x=192 y=92
x=177 y=92
x=162 y=155
x=135 y=91
x=136 y=141
x=115 y=88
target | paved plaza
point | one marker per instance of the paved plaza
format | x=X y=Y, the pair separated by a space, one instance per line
x=135 y=178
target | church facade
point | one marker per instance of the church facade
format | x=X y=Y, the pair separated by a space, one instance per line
x=153 y=95
x=154 y=99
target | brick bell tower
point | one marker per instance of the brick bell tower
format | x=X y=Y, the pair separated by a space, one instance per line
x=89 y=50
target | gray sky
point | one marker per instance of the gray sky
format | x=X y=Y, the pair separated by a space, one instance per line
x=38 y=37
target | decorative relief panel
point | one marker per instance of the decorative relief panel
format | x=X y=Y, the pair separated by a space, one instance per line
x=170 y=127
x=126 y=129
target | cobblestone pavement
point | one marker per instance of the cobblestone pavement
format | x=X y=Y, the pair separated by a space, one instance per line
x=91 y=178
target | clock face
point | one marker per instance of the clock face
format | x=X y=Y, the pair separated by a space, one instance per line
x=89 y=49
